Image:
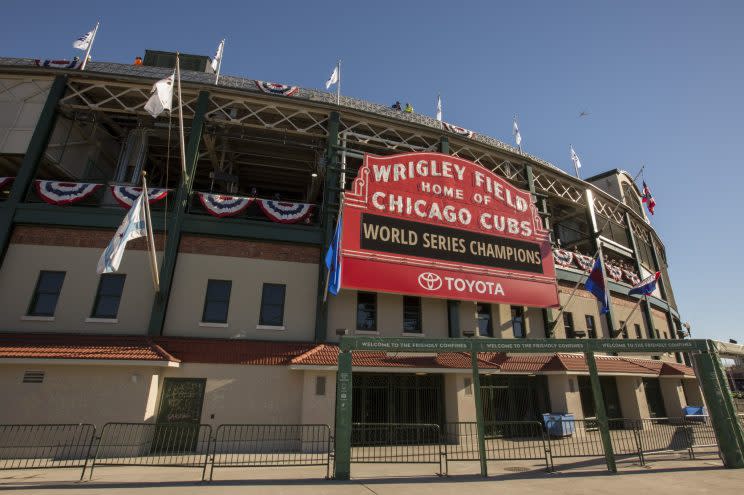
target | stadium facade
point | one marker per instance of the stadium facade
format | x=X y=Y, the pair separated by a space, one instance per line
x=241 y=330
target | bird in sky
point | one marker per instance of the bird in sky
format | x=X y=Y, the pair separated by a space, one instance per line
x=583 y=113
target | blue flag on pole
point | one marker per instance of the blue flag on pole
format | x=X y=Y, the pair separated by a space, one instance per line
x=645 y=286
x=596 y=285
x=333 y=260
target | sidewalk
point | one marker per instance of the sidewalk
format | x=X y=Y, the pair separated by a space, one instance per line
x=673 y=477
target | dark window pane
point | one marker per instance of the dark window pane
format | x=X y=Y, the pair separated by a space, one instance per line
x=568 y=325
x=517 y=315
x=412 y=314
x=590 y=329
x=272 y=305
x=217 y=301
x=483 y=315
x=110 y=288
x=366 y=311
x=46 y=294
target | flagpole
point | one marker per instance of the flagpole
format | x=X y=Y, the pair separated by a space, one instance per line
x=338 y=84
x=576 y=167
x=180 y=120
x=90 y=46
x=342 y=183
x=219 y=64
x=150 y=236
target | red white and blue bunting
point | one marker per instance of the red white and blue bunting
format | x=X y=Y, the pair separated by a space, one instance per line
x=127 y=195
x=5 y=182
x=60 y=64
x=458 y=130
x=64 y=193
x=285 y=212
x=584 y=262
x=614 y=272
x=631 y=277
x=276 y=88
x=563 y=257
x=221 y=205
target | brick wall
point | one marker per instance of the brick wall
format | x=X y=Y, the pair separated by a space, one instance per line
x=216 y=246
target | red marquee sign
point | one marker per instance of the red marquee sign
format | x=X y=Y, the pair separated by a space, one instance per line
x=435 y=225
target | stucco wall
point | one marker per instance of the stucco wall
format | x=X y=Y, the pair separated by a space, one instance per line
x=674 y=396
x=632 y=397
x=20 y=271
x=318 y=409
x=564 y=395
x=248 y=275
x=76 y=394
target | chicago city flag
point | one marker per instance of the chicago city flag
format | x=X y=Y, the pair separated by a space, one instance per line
x=596 y=285
x=133 y=226
x=162 y=96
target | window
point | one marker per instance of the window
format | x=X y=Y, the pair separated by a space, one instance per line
x=320 y=385
x=110 y=287
x=517 y=316
x=46 y=294
x=638 y=331
x=483 y=315
x=568 y=325
x=666 y=335
x=411 y=314
x=366 y=311
x=467 y=385
x=657 y=333
x=650 y=333
x=272 y=305
x=591 y=330
x=217 y=301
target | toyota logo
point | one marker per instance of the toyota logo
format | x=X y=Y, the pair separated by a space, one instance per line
x=430 y=281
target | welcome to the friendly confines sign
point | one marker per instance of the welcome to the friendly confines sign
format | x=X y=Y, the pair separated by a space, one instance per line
x=435 y=225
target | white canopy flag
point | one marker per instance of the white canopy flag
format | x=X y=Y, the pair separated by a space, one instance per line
x=162 y=98
x=83 y=42
x=333 y=79
x=575 y=158
x=133 y=227
x=218 y=56
x=517 y=135
x=439 y=108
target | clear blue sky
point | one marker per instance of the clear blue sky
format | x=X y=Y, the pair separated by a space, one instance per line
x=662 y=81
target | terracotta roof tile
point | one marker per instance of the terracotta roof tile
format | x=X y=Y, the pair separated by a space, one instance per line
x=327 y=355
x=233 y=351
x=73 y=346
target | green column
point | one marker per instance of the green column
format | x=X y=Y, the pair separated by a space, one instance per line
x=725 y=427
x=480 y=421
x=27 y=171
x=177 y=215
x=342 y=462
x=599 y=407
x=329 y=209
x=444 y=145
x=727 y=399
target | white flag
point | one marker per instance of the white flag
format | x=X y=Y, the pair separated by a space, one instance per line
x=133 y=227
x=162 y=98
x=517 y=135
x=333 y=79
x=439 y=108
x=575 y=158
x=218 y=56
x=83 y=42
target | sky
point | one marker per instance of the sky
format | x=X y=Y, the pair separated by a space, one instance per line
x=662 y=82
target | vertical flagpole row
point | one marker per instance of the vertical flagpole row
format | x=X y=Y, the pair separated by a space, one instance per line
x=90 y=46
x=338 y=84
x=150 y=236
x=180 y=122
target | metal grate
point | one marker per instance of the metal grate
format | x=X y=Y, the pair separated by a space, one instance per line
x=33 y=377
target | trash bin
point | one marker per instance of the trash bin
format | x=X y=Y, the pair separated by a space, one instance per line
x=696 y=413
x=559 y=424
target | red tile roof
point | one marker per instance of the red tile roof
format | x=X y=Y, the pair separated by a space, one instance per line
x=67 y=346
x=234 y=351
x=252 y=352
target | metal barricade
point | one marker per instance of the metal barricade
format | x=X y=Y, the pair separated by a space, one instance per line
x=151 y=444
x=625 y=438
x=505 y=440
x=43 y=446
x=579 y=438
x=701 y=434
x=246 y=445
x=396 y=443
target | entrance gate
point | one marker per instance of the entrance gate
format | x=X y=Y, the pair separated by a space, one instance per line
x=708 y=367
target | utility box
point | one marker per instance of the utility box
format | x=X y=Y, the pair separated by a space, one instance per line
x=559 y=424
x=196 y=63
